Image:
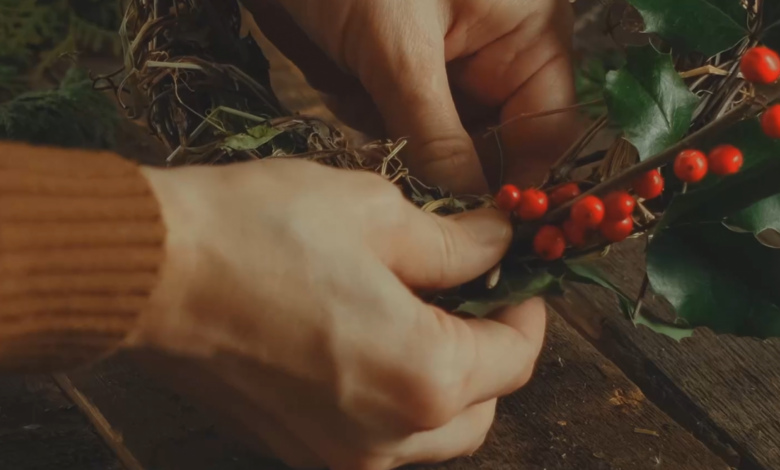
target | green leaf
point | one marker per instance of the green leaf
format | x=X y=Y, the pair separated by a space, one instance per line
x=675 y=332
x=718 y=198
x=254 y=138
x=649 y=101
x=515 y=287
x=718 y=278
x=588 y=273
x=770 y=33
x=707 y=26
x=761 y=216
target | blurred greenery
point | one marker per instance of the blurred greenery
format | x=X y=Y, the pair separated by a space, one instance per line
x=35 y=34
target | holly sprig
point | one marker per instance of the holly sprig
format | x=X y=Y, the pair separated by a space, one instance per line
x=694 y=172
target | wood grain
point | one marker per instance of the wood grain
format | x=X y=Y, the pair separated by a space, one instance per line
x=726 y=390
x=40 y=429
x=579 y=412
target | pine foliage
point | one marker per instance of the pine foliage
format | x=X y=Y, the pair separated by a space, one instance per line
x=74 y=115
x=35 y=33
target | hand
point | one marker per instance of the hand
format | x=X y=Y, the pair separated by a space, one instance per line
x=285 y=307
x=426 y=69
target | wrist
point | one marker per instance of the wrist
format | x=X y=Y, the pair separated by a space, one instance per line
x=162 y=324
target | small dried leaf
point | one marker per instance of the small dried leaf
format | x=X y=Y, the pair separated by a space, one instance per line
x=254 y=138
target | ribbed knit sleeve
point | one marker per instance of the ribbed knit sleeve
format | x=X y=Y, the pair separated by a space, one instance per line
x=81 y=242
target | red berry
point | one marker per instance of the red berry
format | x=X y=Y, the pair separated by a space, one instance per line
x=564 y=194
x=575 y=234
x=760 y=65
x=508 y=198
x=533 y=205
x=619 y=205
x=588 y=212
x=770 y=122
x=725 y=160
x=549 y=243
x=650 y=185
x=617 y=230
x=690 y=166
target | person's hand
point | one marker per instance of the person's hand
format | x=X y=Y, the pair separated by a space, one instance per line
x=426 y=69
x=286 y=305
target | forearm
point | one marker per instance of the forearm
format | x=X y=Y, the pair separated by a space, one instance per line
x=81 y=243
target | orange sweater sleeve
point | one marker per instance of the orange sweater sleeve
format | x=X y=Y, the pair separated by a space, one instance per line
x=81 y=242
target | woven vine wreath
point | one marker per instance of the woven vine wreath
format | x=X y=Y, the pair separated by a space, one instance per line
x=695 y=167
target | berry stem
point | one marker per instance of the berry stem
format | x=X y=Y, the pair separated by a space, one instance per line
x=745 y=110
x=563 y=166
x=640 y=298
x=521 y=117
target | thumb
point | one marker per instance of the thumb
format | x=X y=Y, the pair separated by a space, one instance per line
x=433 y=252
x=408 y=83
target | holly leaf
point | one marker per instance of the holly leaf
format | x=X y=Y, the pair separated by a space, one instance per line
x=718 y=278
x=514 y=287
x=649 y=101
x=255 y=137
x=770 y=32
x=677 y=333
x=587 y=273
x=706 y=26
x=761 y=216
x=717 y=198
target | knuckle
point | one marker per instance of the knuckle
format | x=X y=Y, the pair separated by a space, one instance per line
x=449 y=250
x=453 y=150
x=433 y=392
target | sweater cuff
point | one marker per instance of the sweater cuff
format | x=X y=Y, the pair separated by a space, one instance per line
x=81 y=243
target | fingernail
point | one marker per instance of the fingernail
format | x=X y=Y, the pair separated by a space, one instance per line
x=488 y=227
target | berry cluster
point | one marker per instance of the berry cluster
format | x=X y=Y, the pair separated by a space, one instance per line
x=592 y=219
x=691 y=166
x=610 y=217
x=761 y=65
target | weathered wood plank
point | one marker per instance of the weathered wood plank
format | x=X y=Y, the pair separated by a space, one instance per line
x=160 y=429
x=40 y=429
x=725 y=390
x=579 y=412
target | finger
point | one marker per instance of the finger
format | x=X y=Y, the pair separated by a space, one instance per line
x=526 y=71
x=433 y=252
x=459 y=438
x=508 y=343
x=279 y=27
x=480 y=359
x=407 y=79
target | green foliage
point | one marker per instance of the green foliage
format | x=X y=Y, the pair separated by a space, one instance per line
x=763 y=215
x=35 y=33
x=707 y=26
x=515 y=287
x=649 y=101
x=770 y=33
x=11 y=82
x=718 y=198
x=255 y=137
x=587 y=273
x=717 y=278
x=74 y=115
x=590 y=78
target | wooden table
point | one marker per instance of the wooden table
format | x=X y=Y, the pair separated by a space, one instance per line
x=606 y=395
